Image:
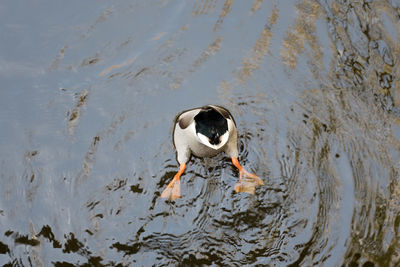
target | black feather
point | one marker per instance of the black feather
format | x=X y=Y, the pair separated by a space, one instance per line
x=211 y=123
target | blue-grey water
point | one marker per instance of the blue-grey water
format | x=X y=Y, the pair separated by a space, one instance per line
x=90 y=89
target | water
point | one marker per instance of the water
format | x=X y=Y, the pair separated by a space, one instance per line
x=89 y=92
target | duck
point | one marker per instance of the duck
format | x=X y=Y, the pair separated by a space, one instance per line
x=206 y=132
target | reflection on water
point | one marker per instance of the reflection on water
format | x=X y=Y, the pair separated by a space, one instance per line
x=87 y=110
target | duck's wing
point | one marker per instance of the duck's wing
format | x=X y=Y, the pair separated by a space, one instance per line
x=187 y=117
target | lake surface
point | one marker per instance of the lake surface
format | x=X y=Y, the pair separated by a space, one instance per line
x=89 y=92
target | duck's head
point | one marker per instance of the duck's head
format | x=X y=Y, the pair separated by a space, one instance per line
x=212 y=128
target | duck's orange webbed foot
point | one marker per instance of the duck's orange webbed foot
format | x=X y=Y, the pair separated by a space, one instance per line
x=173 y=189
x=247 y=181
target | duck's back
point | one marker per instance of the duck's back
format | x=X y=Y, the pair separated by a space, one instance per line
x=186 y=141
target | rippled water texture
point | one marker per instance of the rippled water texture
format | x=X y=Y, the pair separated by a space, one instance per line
x=89 y=91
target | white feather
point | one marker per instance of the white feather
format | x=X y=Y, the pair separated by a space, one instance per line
x=230 y=125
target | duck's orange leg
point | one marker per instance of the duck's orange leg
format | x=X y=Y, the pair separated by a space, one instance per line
x=249 y=182
x=173 y=189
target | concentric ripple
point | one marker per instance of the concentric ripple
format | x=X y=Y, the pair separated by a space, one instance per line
x=90 y=93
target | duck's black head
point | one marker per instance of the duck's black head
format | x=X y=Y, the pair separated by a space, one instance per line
x=211 y=124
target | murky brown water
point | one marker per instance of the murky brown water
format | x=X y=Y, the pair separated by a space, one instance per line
x=89 y=93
